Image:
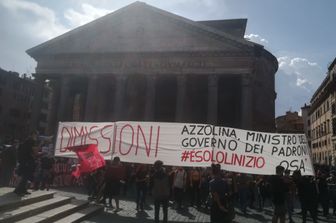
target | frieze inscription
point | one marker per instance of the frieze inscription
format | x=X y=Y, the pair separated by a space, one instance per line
x=124 y=64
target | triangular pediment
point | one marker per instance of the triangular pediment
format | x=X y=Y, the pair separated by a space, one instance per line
x=141 y=28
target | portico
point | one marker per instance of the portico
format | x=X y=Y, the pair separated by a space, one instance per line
x=174 y=70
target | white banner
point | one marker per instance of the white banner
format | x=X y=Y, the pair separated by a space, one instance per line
x=178 y=144
x=80 y=133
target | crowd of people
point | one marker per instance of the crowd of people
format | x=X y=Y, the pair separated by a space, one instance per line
x=31 y=164
x=210 y=189
x=215 y=190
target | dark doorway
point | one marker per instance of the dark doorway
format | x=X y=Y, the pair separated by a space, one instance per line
x=229 y=101
x=196 y=103
x=165 y=98
x=135 y=98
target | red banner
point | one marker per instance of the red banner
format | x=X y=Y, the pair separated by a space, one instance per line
x=89 y=158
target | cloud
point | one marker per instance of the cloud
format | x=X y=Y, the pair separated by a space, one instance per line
x=296 y=81
x=26 y=24
x=87 y=14
x=301 y=62
x=308 y=75
x=34 y=19
x=256 y=38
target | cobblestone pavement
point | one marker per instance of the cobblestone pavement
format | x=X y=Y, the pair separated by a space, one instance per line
x=128 y=214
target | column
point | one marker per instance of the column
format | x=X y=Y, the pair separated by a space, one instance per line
x=150 y=98
x=246 y=102
x=101 y=103
x=91 y=99
x=64 y=109
x=37 y=102
x=212 y=99
x=181 y=97
x=119 y=97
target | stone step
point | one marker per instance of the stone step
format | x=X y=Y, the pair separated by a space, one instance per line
x=56 y=213
x=81 y=215
x=21 y=212
x=9 y=200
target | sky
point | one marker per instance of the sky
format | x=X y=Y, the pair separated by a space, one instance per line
x=300 y=33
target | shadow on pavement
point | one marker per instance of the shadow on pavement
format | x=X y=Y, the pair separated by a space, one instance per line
x=186 y=213
x=142 y=217
x=258 y=217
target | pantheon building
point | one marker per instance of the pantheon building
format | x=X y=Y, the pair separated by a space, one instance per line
x=141 y=63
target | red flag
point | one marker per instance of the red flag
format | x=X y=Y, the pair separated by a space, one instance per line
x=89 y=158
x=76 y=172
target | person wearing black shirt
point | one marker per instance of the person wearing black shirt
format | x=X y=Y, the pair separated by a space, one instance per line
x=279 y=190
x=221 y=209
x=26 y=162
x=310 y=198
x=331 y=181
x=160 y=191
x=323 y=195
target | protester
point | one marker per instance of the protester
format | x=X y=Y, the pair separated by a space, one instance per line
x=45 y=175
x=261 y=191
x=179 y=186
x=114 y=174
x=279 y=190
x=243 y=191
x=195 y=182
x=90 y=185
x=160 y=191
x=323 y=195
x=171 y=174
x=127 y=181
x=297 y=178
x=331 y=181
x=221 y=208
x=290 y=196
x=26 y=162
x=204 y=189
x=308 y=195
x=252 y=187
x=141 y=179
x=99 y=186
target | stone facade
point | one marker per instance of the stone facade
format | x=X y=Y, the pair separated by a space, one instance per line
x=289 y=123
x=17 y=114
x=323 y=120
x=144 y=64
x=306 y=122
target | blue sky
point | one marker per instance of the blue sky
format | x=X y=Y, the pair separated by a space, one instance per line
x=300 y=33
